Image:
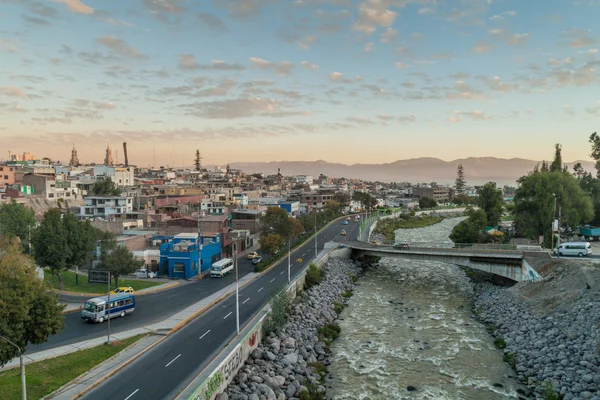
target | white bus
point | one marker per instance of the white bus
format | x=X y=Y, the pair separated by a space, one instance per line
x=573 y=249
x=221 y=268
x=96 y=309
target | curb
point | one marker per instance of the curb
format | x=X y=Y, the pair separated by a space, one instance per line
x=120 y=367
x=171 y=285
x=71 y=311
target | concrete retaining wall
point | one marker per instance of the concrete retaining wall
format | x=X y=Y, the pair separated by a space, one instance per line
x=218 y=375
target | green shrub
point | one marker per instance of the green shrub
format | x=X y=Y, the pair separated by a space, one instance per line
x=329 y=332
x=314 y=276
x=311 y=393
x=280 y=308
x=347 y=294
x=320 y=369
x=338 y=307
x=387 y=226
x=510 y=359
x=500 y=343
x=550 y=393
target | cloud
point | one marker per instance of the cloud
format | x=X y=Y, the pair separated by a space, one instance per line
x=240 y=8
x=239 y=108
x=400 y=65
x=425 y=10
x=187 y=61
x=402 y=119
x=453 y=120
x=77 y=6
x=338 y=77
x=481 y=48
x=35 y=20
x=579 y=38
x=568 y=109
x=389 y=35
x=220 y=65
x=372 y=15
x=121 y=48
x=212 y=22
x=502 y=16
x=12 y=91
x=99 y=105
x=592 y=51
x=282 y=68
x=164 y=6
x=517 y=39
x=369 y=47
x=477 y=115
x=594 y=109
x=307 y=65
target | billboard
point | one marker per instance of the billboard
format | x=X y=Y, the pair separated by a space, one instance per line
x=98 y=276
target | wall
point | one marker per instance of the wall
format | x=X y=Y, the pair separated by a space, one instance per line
x=214 y=380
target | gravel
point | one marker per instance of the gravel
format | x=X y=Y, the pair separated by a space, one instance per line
x=279 y=367
x=560 y=348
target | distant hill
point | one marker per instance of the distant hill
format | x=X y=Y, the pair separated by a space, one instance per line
x=478 y=170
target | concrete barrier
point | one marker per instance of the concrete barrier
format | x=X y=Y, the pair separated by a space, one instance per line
x=215 y=378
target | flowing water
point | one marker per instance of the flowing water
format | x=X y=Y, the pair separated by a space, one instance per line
x=409 y=324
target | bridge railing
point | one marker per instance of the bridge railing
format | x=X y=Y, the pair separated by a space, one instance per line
x=450 y=245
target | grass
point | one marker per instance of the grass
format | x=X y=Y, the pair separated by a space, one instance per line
x=347 y=294
x=84 y=286
x=329 y=332
x=44 y=377
x=338 y=307
x=387 y=226
x=500 y=343
x=510 y=359
x=320 y=369
x=550 y=393
x=314 y=276
x=507 y=218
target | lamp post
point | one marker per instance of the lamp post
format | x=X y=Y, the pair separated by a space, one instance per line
x=108 y=309
x=237 y=289
x=552 y=223
x=289 y=260
x=23 y=384
x=316 y=251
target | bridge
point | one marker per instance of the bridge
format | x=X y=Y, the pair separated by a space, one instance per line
x=506 y=262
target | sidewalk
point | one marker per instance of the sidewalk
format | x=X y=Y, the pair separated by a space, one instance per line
x=171 y=324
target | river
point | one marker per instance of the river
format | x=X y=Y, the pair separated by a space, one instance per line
x=409 y=324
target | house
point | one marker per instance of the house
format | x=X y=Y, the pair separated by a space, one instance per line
x=187 y=255
x=106 y=206
x=247 y=219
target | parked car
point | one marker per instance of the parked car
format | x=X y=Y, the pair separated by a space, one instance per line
x=343 y=233
x=144 y=273
x=256 y=260
x=252 y=255
x=348 y=218
x=122 y=289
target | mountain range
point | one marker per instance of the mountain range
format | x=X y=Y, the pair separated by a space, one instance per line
x=478 y=170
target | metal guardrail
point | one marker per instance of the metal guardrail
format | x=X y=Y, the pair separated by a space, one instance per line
x=450 y=245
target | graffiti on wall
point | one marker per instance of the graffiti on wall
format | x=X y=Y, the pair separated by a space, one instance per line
x=252 y=340
x=210 y=386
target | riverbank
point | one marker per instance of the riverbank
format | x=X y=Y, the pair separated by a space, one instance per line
x=294 y=363
x=549 y=330
x=387 y=227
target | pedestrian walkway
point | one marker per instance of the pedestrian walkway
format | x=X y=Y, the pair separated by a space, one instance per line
x=174 y=323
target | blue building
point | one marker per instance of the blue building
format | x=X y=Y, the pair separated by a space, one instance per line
x=291 y=207
x=185 y=255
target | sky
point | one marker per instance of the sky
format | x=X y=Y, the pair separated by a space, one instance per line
x=346 y=81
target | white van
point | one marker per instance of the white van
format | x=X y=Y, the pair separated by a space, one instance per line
x=221 y=268
x=573 y=249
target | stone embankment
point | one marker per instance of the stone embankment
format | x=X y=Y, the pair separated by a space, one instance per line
x=554 y=352
x=284 y=366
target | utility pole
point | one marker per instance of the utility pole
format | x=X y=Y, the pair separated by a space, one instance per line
x=23 y=381
x=316 y=251
x=289 y=260
x=552 y=224
x=237 y=289
x=108 y=309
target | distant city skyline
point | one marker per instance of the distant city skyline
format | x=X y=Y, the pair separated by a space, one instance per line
x=345 y=81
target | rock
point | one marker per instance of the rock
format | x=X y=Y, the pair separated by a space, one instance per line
x=257 y=379
x=288 y=342
x=269 y=356
x=279 y=380
x=292 y=358
x=267 y=391
x=222 y=396
x=257 y=354
x=411 y=388
x=253 y=396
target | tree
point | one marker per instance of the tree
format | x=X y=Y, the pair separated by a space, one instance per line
x=472 y=229
x=80 y=238
x=491 y=202
x=366 y=200
x=460 y=183
x=535 y=203
x=51 y=245
x=117 y=259
x=557 y=164
x=333 y=206
x=29 y=311
x=578 y=170
x=16 y=220
x=275 y=220
x=595 y=142
x=427 y=202
x=271 y=243
x=342 y=198
x=198 y=161
x=105 y=186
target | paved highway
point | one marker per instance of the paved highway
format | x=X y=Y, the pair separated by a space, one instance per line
x=167 y=369
x=156 y=307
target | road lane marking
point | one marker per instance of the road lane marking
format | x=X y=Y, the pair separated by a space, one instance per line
x=281 y=272
x=260 y=289
x=171 y=362
x=205 y=334
x=271 y=281
x=128 y=397
x=170 y=297
x=228 y=314
x=246 y=300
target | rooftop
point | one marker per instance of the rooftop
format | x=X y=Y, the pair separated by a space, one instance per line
x=188 y=235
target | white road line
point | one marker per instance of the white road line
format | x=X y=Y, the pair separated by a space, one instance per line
x=246 y=300
x=228 y=315
x=171 y=362
x=281 y=272
x=205 y=334
x=271 y=281
x=260 y=289
x=128 y=397
x=170 y=297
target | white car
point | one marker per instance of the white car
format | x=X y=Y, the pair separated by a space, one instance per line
x=144 y=273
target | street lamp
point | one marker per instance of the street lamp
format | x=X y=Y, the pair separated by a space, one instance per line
x=23 y=385
x=237 y=288
x=552 y=223
x=316 y=251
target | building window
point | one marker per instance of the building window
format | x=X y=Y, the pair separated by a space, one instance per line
x=50 y=195
x=178 y=267
x=194 y=265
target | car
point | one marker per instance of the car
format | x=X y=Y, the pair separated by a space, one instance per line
x=345 y=222
x=348 y=218
x=343 y=233
x=256 y=260
x=252 y=255
x=402 y=246
x=144 y=273
x=122 y=289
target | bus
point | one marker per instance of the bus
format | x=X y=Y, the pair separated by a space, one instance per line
x=96 y=309
x=221 y=268
x=573 y=249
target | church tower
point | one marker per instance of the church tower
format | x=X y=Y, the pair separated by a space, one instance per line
x=108 y=160
x=74 y=159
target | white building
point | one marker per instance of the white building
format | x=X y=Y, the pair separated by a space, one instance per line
x=308 y=179
x=106 y=206
x=121 y=176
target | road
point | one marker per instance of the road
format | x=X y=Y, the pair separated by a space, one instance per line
x=156 y=307
x=167 y=369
